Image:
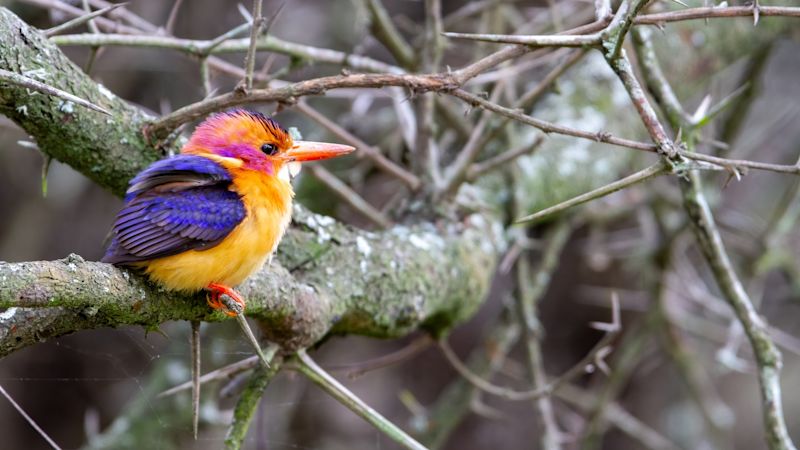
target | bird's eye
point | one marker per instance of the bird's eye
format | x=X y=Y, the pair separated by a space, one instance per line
x=269 y=149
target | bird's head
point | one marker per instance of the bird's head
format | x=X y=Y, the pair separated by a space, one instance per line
x=252 y=141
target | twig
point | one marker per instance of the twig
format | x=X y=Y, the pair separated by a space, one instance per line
x=513 y=51
x=716 y=414
x=248 y=402
x=626 y=17
x=90 y=22
x=456 y=400
x=222 y=373
x=532 y=96
x=591 y=358
x=580 y=40
x=716 y=12
x=481 y=168
x=356 y=370
x=616 y=415
x=459 y=76
x=21 y=80
x=425 y=147
x=622 y=67
x=250 y=59
x=173 y=16
x=793 y=169
x=29 y=419
x=602 y=9
x=629 y=353
x=385 y=31
x=666 y=98
x=658 y=168
x=70 y=24
x=210 y=46
x=94 y=50
x=411 y=180
x=350 y=196
x=767 y=356
x=199 y=47
x=315 y=373
x=477 y=67
x=531 y=288
x=549 y=127
x=555 y=15
x=469 y=9
x=614 y=35
x=457 y=171
x=123 y=14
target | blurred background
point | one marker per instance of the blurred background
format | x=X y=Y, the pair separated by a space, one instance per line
x=690 y=381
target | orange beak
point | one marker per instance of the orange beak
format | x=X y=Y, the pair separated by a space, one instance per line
x=315 y=151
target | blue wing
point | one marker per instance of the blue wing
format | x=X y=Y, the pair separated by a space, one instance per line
x=176 y=204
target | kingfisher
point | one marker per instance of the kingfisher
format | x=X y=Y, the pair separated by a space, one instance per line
x=212 y=215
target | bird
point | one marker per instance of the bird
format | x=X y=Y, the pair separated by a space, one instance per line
x=209 y=217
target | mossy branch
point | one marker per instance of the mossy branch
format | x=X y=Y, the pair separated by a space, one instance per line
x=109 y=150
x=338 y=280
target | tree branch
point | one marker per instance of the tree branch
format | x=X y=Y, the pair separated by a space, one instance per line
x=391 y=284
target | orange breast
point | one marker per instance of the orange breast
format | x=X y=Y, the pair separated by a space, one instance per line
x=268 y=201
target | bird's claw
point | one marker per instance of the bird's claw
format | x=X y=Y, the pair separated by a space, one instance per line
x=216 y=300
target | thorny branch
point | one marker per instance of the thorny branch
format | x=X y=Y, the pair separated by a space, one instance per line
x=699 y=213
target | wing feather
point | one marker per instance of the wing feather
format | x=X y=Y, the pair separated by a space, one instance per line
x=177 y=204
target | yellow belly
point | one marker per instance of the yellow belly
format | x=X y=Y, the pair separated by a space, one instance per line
x=267 y=201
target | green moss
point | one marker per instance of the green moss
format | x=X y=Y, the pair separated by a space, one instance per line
x=92 y=143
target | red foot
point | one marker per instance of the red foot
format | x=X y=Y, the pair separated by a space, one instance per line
x=218 y=290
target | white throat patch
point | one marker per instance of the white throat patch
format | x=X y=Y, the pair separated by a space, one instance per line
x=289 y=171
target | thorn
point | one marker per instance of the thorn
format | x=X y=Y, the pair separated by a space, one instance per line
x=419 y=415
x=238 y=308
x=733 y=172
x=244 y=12
x=603 y=326
x=195 y=342
x=34 y=85
x=616 y=323
x=600 y=362
x=756 y=12
x=80 y=20
x=702 y=109
x=45 y=171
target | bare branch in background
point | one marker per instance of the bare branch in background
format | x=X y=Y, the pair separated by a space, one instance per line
x=78 y=21
x=656 y=169
x=587 y=362
x=28 y=418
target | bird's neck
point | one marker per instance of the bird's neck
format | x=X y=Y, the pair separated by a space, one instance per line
x=261 y=191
